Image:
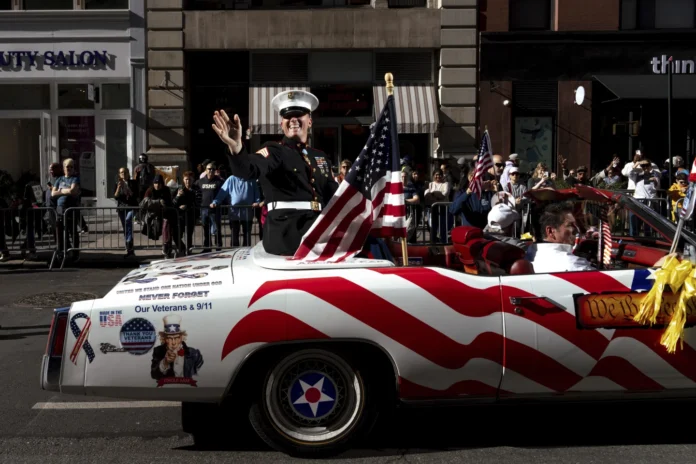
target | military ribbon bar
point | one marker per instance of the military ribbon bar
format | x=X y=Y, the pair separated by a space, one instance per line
x=81 y=336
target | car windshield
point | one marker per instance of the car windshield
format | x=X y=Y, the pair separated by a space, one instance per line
x=657 y=219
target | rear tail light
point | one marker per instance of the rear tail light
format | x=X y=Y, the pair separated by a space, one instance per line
x=57 y=335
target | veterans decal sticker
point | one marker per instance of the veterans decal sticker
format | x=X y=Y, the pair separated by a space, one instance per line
x=138 y=336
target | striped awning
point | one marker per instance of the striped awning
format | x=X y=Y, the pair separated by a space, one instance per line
x=416 y=107
x=262 y=118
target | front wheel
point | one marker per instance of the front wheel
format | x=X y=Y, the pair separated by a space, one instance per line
x=313 y=404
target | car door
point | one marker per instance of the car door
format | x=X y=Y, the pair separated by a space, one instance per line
x=443 y=329
x=558 y=317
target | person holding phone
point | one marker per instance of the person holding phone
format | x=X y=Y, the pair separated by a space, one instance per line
x=541 y=178
x=126 y=196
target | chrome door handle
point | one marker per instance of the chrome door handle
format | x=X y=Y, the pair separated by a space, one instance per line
x=521 y=300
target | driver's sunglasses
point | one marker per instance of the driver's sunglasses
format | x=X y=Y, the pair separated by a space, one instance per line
x=514 y=173
x=645 y=166
x=499 y=165
x=681 y=182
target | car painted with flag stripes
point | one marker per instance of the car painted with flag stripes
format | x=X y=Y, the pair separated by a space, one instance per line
x=310 y=353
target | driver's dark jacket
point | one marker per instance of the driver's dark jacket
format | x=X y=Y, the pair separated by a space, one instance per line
x=286 y=174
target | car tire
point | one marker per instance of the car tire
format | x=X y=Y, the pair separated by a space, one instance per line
x=313 y=403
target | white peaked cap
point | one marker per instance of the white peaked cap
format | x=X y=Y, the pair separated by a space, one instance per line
x=299 y=100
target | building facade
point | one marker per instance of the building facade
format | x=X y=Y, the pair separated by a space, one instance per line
x=237 y=54
x=535 y=55
x=72 y=85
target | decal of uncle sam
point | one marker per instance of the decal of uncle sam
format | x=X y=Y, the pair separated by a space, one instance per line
x=174 y=362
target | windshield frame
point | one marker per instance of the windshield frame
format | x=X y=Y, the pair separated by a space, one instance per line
x=661 y=224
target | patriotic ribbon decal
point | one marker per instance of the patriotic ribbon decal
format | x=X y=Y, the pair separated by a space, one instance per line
x=81 y=336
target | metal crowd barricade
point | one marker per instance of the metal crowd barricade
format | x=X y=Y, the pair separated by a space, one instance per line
x=28 y=230
x=107 y=230
x=228 y=227
x=429 y=225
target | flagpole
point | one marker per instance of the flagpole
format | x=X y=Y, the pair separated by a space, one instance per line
x=389 y=79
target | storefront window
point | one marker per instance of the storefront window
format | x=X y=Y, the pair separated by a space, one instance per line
x=5 y=4
x=654 y=14
x=340 y=101
x=674 y=14
x=19 y=139
x=25 y=97
x=115 y=96
x=530 y=15
x=116 y=139
x=76 y=141
x=74 y=96
x=48 y=4
x=106 y=4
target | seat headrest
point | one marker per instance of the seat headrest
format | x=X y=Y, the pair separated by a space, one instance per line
x=462 y=234
x=521 y=267
x=502 y=254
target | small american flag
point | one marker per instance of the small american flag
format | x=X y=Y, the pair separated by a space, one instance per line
x=483 y=164
x=369 y=201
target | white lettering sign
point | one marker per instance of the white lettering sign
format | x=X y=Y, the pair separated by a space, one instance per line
x=659 y=65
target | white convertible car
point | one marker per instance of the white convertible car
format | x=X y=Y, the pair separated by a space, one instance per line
x=311 y=353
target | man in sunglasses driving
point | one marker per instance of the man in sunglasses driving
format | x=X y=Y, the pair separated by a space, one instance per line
x=296 y=179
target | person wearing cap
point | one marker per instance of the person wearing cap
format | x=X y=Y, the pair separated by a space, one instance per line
x=297 y=180
x=513 y=161
x=501 y=224
x=582 y=177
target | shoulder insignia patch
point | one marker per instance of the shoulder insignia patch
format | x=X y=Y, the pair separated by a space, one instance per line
x=263 y=152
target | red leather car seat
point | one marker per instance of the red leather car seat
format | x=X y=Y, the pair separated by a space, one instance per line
x=498 y=257
x=491 y=257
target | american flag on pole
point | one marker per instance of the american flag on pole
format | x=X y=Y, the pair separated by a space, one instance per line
x=483 y=164
x=369 y=201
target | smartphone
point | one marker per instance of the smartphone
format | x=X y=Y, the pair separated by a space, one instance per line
x=546 y=174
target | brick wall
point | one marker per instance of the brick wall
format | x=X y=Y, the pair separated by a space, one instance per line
x=586 y=15
x=574 y=125
x=496 y=116
x=494 y=15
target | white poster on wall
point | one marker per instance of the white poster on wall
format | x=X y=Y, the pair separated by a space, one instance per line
x=65 y=60
x=534 y=141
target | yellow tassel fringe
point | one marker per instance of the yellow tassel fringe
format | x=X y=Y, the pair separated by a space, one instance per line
x=676 y=275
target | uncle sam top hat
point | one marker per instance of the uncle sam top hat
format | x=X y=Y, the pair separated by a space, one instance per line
x=294 y=103
x=172 y=324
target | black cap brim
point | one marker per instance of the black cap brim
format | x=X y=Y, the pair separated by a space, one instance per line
x=293 y=111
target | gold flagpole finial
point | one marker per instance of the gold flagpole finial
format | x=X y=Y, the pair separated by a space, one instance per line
x=389 y=78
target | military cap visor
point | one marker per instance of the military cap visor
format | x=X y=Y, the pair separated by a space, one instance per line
x=294 y=103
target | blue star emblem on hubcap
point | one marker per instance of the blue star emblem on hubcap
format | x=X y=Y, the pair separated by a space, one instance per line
x=313 y=395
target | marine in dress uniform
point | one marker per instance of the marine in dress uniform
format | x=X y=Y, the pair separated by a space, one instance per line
x=297 y=180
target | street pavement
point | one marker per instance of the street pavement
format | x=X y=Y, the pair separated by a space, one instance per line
x=33 y=428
